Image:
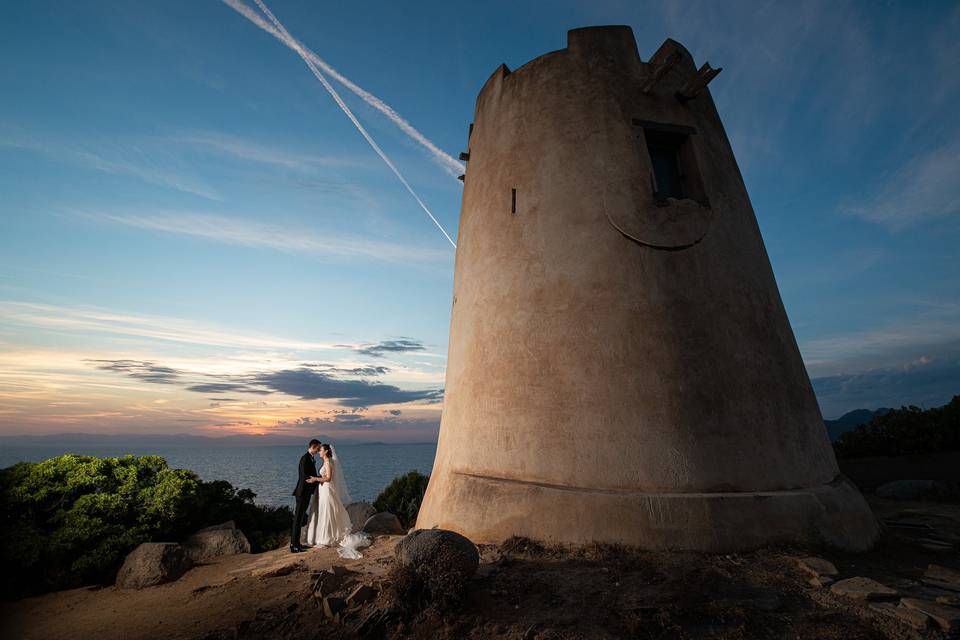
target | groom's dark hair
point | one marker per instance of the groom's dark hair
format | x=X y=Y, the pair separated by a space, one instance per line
x=313 y=443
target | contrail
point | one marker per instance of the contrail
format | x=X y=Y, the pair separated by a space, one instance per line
x=296 y=46
x=449 y=163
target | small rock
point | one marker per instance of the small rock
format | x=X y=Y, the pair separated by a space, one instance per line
x=947 y=617
x=911 y=617
x=860 y=588
x=362 y=594
x=359 y=513
x=817 y=566
x=153 y=563
x=819 y=581
x=950 y=601
x=332 y=606
x=942 y=577
x=384 y=523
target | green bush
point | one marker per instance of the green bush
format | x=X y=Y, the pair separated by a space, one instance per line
x=903 y=431
x=403 y=496
x=71 y=520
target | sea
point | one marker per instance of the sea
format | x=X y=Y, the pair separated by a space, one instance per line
x=269 y=470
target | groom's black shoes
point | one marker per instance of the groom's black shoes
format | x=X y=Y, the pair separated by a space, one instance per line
x=296 y=549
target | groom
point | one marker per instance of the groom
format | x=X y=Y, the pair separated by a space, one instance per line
x=306 y=484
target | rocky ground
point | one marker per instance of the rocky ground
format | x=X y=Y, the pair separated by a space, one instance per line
x=524 y=591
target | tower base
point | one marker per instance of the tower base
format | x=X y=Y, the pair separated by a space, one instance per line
x=489 y=510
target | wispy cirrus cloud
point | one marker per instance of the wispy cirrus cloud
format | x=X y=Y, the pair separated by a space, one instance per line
x=935 y=330
x=258 y=235
x=112 y=157
x=247 y=150
x=153 y=327
x=925 y=186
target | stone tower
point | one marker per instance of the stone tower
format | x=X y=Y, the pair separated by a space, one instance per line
x=621 y=367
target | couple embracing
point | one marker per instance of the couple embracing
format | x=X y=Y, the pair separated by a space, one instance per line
x=321 y=496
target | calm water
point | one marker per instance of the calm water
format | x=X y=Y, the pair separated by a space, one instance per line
x=270 y=471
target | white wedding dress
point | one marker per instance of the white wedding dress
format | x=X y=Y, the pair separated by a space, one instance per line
x=328 y=524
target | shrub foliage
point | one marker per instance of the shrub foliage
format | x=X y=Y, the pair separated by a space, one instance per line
x=403 y=496
x=903 y=431
x=71 y=520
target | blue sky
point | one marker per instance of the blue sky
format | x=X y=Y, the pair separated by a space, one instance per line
x=195 y=238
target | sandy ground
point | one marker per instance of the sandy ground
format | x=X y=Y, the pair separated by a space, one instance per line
x=524 y=592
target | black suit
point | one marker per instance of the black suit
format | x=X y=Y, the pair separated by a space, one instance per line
x=303 y=491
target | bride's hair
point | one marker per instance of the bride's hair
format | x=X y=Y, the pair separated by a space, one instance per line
x=326 y=447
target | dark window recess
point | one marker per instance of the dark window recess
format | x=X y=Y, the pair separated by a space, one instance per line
x=513 y=200
x=675 y=173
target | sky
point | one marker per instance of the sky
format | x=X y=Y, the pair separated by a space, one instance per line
x=195 y=237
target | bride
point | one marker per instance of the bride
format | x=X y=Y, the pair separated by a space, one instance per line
x=329 y=523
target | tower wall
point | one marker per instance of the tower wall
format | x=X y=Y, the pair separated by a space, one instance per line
x=621 y=367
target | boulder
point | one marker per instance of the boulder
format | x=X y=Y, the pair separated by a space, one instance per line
x=863 y=589
x=438 y=550
x=153 y=563
x=907 y=489
x=359 y=513
x=213 y=543
x=384 y=522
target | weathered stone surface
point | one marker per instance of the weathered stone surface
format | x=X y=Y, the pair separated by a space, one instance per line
x=664 y=294
x=212 y=543
x=817 y=566
x=952 y=600
x=906 y=489
x=383 y=523
x=911 y=617
x=948 y=618
x=942 y=577
x=359 y=513
x=860 y=588
x=153 y=563
x=820 y=581
x=362 y=594
x=426 y=548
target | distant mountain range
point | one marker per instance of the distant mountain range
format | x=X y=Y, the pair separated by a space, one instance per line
x=852 y=420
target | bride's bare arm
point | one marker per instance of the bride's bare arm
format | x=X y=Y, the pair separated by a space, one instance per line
x=326 y=474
